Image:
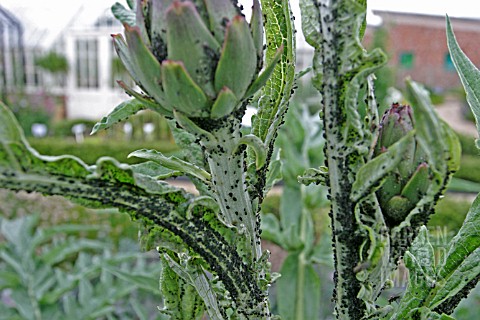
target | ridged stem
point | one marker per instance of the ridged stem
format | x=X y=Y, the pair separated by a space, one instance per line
x=226 y=162
x=345 y=229
x=300 y=294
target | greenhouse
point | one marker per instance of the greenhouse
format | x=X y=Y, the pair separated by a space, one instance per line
x=11 y=53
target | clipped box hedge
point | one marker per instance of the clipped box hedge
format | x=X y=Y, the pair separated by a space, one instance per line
x=93 y=148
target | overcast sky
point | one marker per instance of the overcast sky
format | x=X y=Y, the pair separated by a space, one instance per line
x=42 y=17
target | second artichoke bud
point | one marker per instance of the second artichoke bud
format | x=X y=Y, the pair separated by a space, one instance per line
x=200 y=58
x=405 y=186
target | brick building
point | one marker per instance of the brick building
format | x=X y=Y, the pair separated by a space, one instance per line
x=417 y=47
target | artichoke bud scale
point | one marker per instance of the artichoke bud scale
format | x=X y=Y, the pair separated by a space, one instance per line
x=190 y=41
x=403 y=188
x=236 y=68
x=181 y=91
x=198 y=57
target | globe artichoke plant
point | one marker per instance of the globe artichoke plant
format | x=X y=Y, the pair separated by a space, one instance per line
x=406 y=185
x=198 y=58
x=199 y=63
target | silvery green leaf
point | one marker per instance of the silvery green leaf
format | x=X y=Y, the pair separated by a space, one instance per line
x=204 y=201
x=140 y=280
x=257 y=146
x=186 y=141
x=463 y=185
x=271 y=229
x=423 y=251
x=314 y=175
x=194 y=276
x=420 y=263
x=172 y=163
x=68 y=248
x=468 y=72
x=190 y=150
x=322 y=252
x=123 y=14
x=85 y=292
x=274 y=173
x=120 y=113
x=436 y=138
x=301 y=142
x=22 y=167
x=300 y=277
x=374 y=268
x=155 y=170
x=369 y=176
x=461 y=269
x=291 y=207
x=147 y=101
x=361 y=75
x=311 y=23
x=279 y=30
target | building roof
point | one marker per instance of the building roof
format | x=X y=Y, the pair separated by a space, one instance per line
x=432 y=20
x=9 y=18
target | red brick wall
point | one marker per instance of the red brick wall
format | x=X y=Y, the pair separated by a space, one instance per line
x=425 y=37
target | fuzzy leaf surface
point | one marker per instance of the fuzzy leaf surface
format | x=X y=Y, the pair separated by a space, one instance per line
x=419 y=260
x=461 y=266
x=276 y=93
x=468 y=72
x=123 y=14
x=120 y=113
x=172 y=163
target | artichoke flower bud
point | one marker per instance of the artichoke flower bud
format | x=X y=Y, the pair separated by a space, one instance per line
x=395 y=124
x=406 y=185
x=198 y=58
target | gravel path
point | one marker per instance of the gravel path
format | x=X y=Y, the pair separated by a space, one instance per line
x=452 y=112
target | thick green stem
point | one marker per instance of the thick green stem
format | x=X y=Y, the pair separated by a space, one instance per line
x=344 y=226
x=346 y=242
x=346 y=235
x=300 y=292
x=226 y=162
